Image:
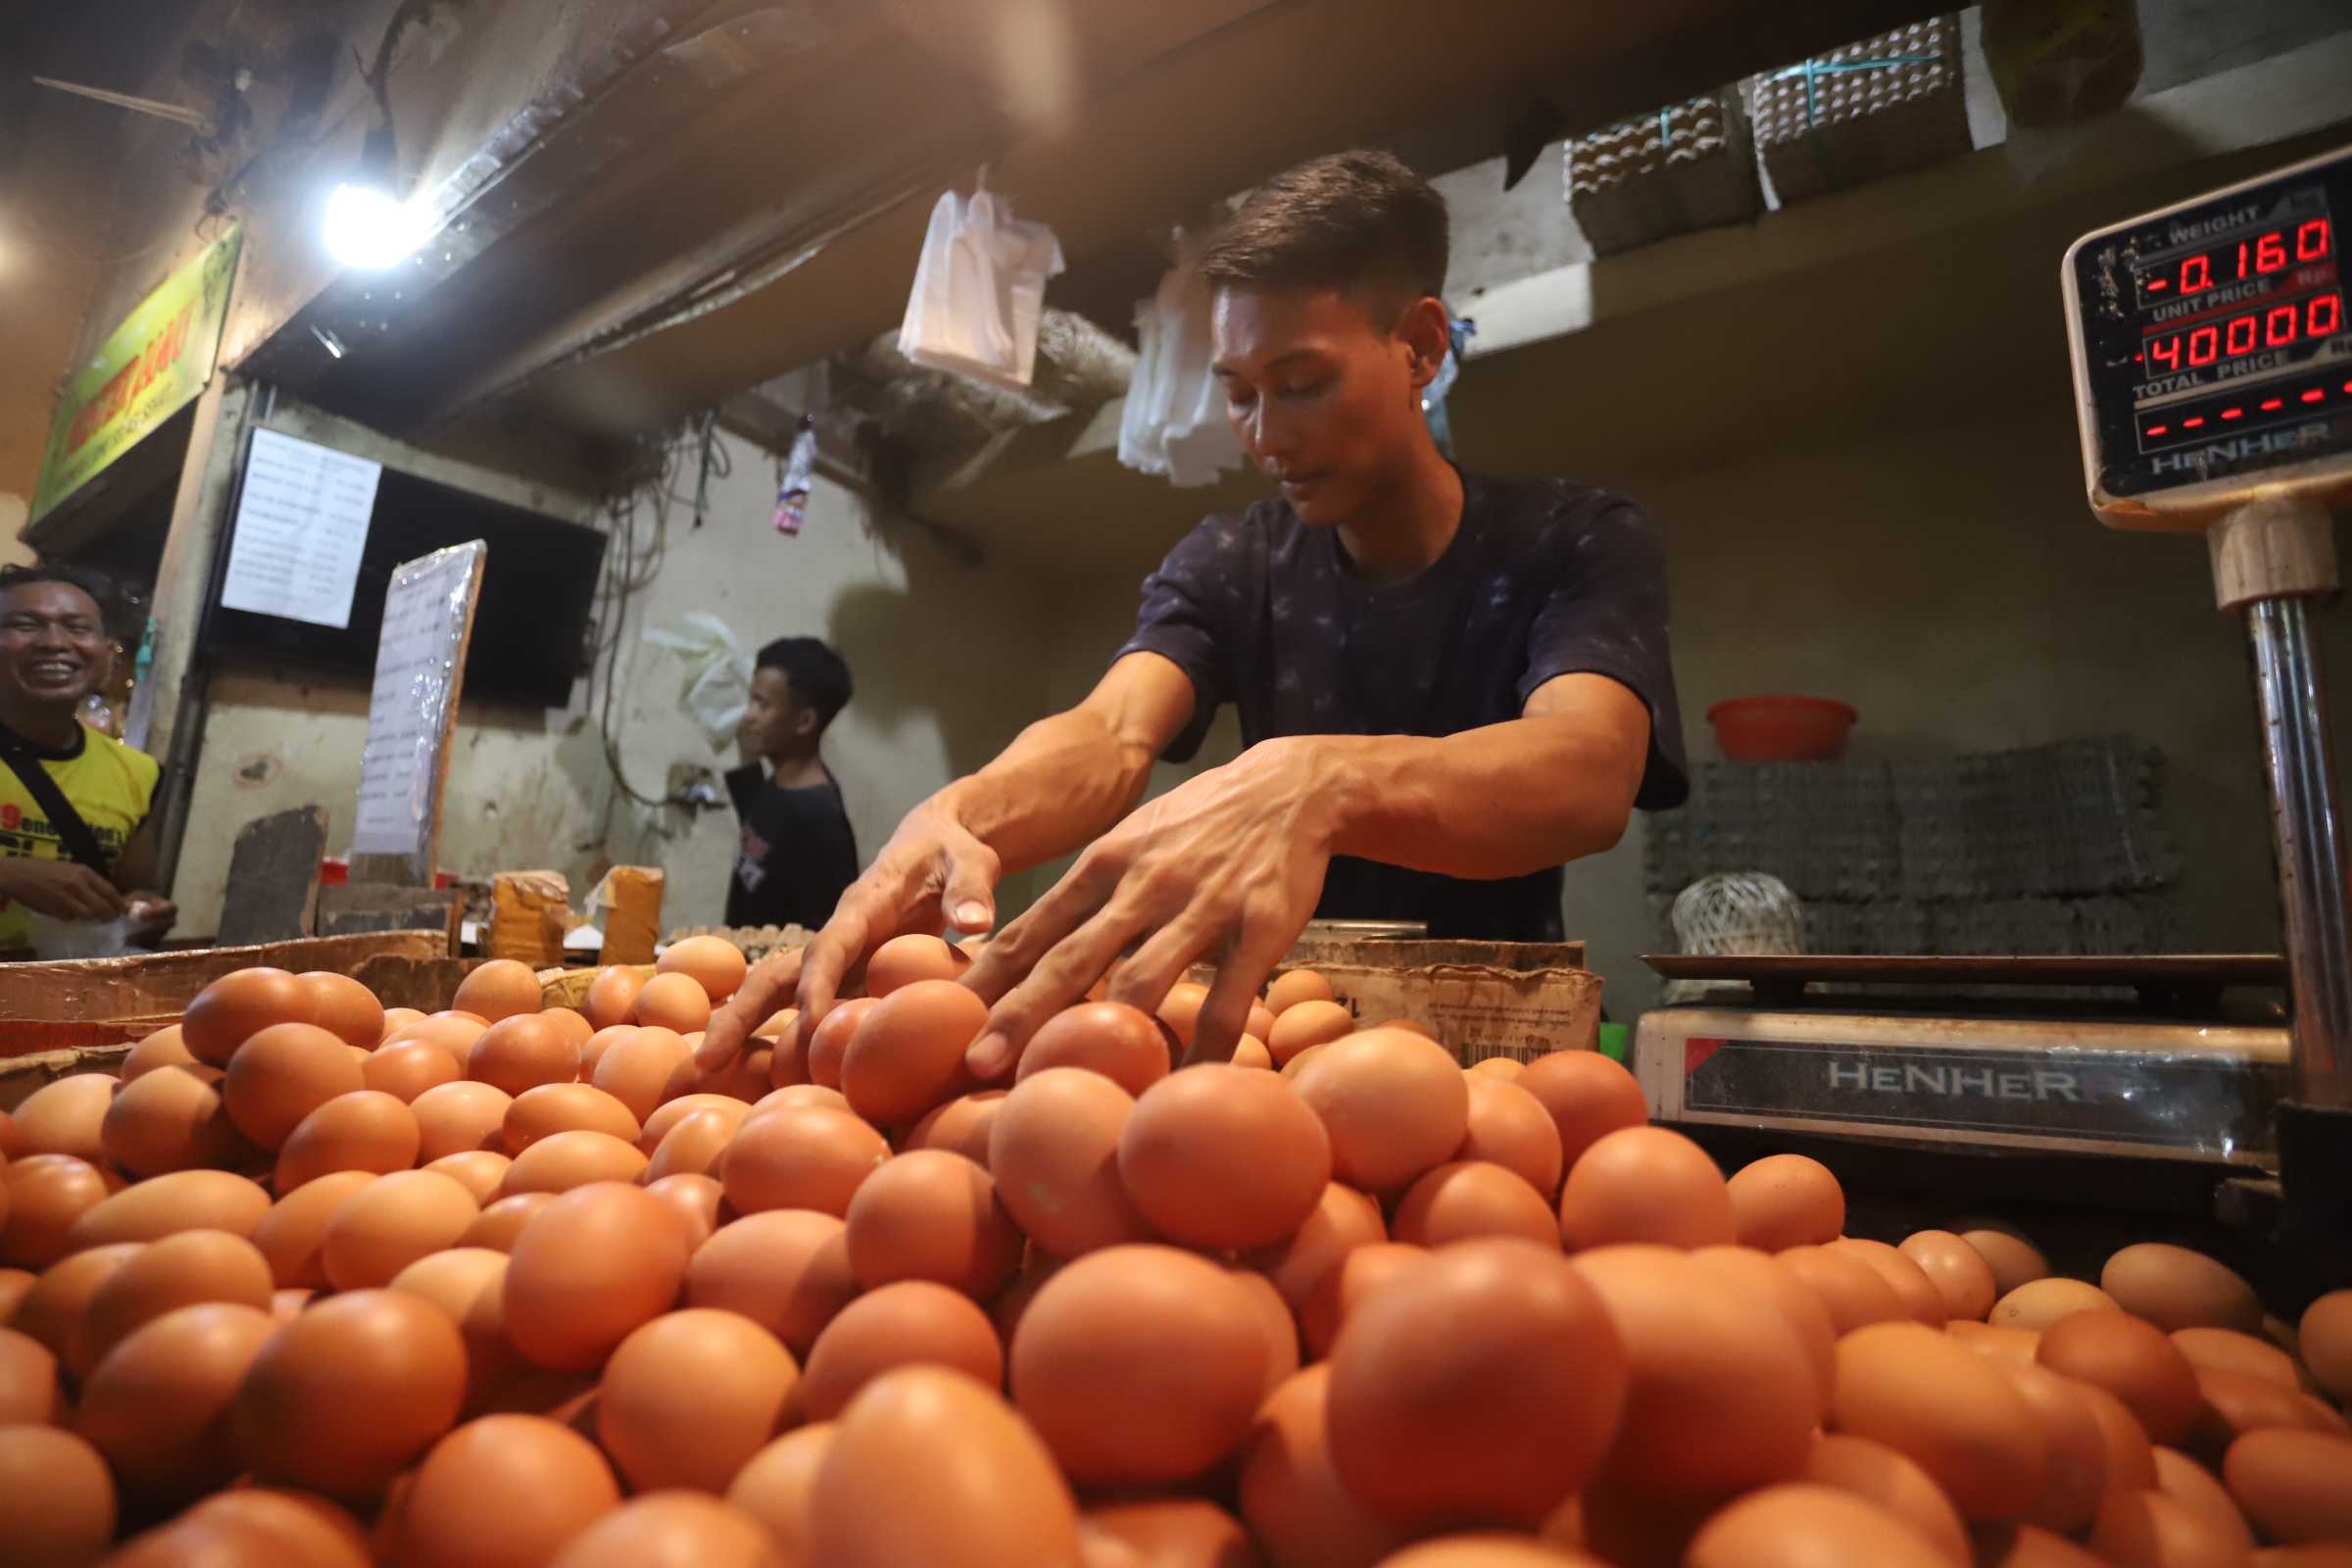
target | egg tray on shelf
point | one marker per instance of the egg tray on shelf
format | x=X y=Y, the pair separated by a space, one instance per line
x=1869 y=110
x=1687 y=166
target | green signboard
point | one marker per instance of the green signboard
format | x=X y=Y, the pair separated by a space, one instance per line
x=149 y=368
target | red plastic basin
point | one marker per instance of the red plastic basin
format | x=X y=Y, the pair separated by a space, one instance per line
x=1781 y=729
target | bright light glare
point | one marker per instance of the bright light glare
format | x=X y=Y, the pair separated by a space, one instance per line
x=367 y=230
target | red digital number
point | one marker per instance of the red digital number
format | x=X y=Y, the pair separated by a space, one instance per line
x=2325 y=316
x=2311 y=239
x=2204 y=345
x=2196 y=272
x=2278 y=326
x=2166 y=351
x=2269 y=252
x=2230 y=335
x=2241 y=259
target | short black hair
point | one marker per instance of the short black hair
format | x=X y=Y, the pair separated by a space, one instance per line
x=819 y=678
x=1358 y=224
x=99 y=588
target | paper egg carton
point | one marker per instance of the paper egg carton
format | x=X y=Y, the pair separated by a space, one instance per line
x=1687 y=167
x=1838 y=118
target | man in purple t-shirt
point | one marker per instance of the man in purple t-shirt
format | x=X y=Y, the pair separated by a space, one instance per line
x=1449 y=684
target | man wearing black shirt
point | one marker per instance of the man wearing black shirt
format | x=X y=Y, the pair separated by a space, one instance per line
x=797 y=852
x=1448 y=684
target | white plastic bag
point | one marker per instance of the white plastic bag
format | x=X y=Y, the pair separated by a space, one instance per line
x=719 y=673
x=978 y=291
x=1174 y=421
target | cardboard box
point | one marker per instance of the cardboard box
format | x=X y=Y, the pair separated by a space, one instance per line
x=1479 y=999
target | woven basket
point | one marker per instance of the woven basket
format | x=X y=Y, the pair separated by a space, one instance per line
x=1863 y=112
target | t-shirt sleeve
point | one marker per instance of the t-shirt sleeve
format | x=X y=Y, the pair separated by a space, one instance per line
x=1607 y=615
x=1185 y=618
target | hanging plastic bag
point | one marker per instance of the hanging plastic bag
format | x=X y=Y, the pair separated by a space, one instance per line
x=979 y=289
x=1174 y=420
x=719 y=673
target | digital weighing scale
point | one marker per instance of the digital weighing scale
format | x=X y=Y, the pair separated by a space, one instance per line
x=2213 y=368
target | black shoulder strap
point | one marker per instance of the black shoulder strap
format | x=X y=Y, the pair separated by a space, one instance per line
x=71 y=831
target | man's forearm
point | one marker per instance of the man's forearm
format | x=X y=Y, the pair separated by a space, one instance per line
x=1062 y=781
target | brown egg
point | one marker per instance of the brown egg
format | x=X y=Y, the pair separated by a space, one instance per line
x=170 y=1119
x=930 y=1467
x=2227 y=1350
x=574 y=1025
x=1428 y=1425
x=671 y=1111
x=344 y=1007
x=694 y=1203
x=459 y=1116
x=14 y=1284
x=777 y=1485
x=239 y=1005
x=50 y=1310
x=1719 y=1394
x=504 y=1492
x=597 y=1043
x=407 y=1068
x=1344 y=1219
x=46 y=1194
x=1221 y=1157
x=2075 y=1444
x=1291 y=1493
x=1305 y=1023
x=590 y=1267
x=390 y=1223
x=67 y=1116
x=1644 y=1183
x=1261 y=1022
x=1466 y=1198
x=650 y=1066
x=2131 y=1461
x=291 y=1234
x=2024 y=1546
x=163 y=1206
x=1295 y=986
x=1175 y=1532
x=2013 y=1259
x=801 y=1095
x=932 y=1215
x=501 y=988
x=777 y=1026
x=266 y=1521
x=1179 y=1008
x=468 y=1285
x=2174 y=1288
x=2148 y=1527
x=1393 y=1102
x=502 y=1220
x=1803 y=1526
x=1124 y=1044
x=480 y=1171
x=1786 y=1201
x=2238 y=1402
x=2191 y=1485
x=1340 y=1290
x=30 y=1392
x=1508 y=1068
x=897 y=1325
x=182 y=1270
x=562 y=1162
x=281 y=1075
x=157 y=1406
x=689 y=1398
x=694 y=1146
x=671 y=1530
x=612 y=997
x=2132 y=1359
x=674 y=1001
x=1509 y=1127
x=2014 y=1345
x=2297 y=1485
x=1588 y=1097
x=830 y=1042
x=288 y=1302
x=787 y=1271
x=453 y=1033
x=1878 y=1474
x=906 y=1055
x=57 y=1501
x=961 y=1126
x=2325 y=1337
x=1053 y=1152
x=1952 y=1412
x=397 y=1019
x=1957 y=1270
x=1921 y=1299
x=523 y=1052
x=799 y=1157
x=368 y=1131
x=1748 y=1270
x=1297 y=1064
x=902 y=960
x=162 y=1049
x=350 y=1392
x=2038 y=1303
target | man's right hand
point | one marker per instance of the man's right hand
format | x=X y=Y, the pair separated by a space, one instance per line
x=65 y=890
x=932 y=874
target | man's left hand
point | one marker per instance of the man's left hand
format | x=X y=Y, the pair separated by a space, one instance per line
x=1228 y=865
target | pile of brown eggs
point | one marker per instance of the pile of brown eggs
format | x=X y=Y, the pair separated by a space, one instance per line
x=319 y=1283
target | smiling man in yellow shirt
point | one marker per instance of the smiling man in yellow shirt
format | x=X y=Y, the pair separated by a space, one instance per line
x=75 y=838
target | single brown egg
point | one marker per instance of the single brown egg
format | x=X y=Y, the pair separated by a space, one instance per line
x=1222 y=1157
x=2148 y=1527
x=1948 y=1409
x=694 y=1203
x=1014 y=1301
x=2015 y=1344
x=2174 y=1288
x=587 y=1269
x=1124 y=1044
x=1295 y=986
x=562 y=1162
x=344 y=1007
x=787 y=1271
x=239 y=1005
x=30 y=1392
x=1878 y=1474
x=1509 y=1127
x=652 y=1065
x=1747 y=1269
x=48 y=1312
x=1508 y=1068
x=182 y=1270
x=407 y=1068
x=1815 y=1527
x=14 y=1284
x=162 y=1049
x=350 y=1392
x=777 y=1486
x=46 y=1193
x=368 y=1131
x=1280 y=1328
x=57 y=1501
x=2038 y=1303
x=2297 y=1485
x=801 y=1095
x=288 y=1302
x=604 y=1040
x=453 y=1033
x=1340 y=1290
x=897 y=1325
x=776 y=1025
x=961 y=1126
x=1921 y=1299
x=499 y=989
x=522 y=1053
x=1393 y=1102
x=612 y=997
x=1344 y=1219
x=1719 y=1394
x=1180 y=1009
x=1466 y=1198
x=931 y=1467
x=157 y=1406
x=456 y=1117
x=574 y=1025
x=1644 y=1183
x=905 y=960
x=671 y=1111
x=172 y=1119
x=281 y=1075
x=291 y=1234
x=468 y=1285
x=390 y=1223
x=502 y=1220
x=2013 y=1259
x=663 y=1529
x=1786 y=1201
x=2238 y=1402
x=2191 y=1485
x=674 y=1001
x=2130 y=1458
x=1852 y=1291
x=312 y=1529
x=2132 y=1359
x=2324 y=1335
x=829 y=1043
x=689 y=1398
x=1588 y=1097
x=2227 y=1350
x=2075 y=1444
x=163 y=1206
x=1307 y=1023
x=396 y=1019
x=1179 y=1531
x=906 y=1055
x=1053 y=1153
x=1291 y=1493
x=480 y=1171
x=694 y=1146
x=548 y=1109
x=502 y=1492
x=932 y=1215
x=799 y=1157
x=67 y=1116
x=1957 y=1270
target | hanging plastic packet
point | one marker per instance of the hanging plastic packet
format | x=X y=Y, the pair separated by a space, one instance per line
x=799 y=470
x=979 y=289
x=718 y=683
x=1174 y=421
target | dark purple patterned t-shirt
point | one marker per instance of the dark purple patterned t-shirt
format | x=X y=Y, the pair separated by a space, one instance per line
x=1543 y=578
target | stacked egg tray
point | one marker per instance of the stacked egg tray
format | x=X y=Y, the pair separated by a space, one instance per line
x=319 y=1282
x=1687 y=166
x=1871 y=108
